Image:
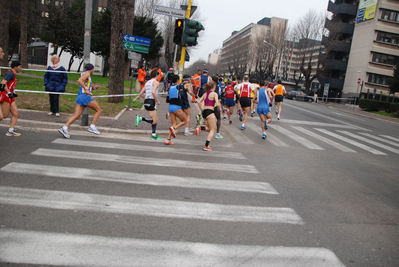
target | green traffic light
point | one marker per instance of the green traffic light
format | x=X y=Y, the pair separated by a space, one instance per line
x=191 y=29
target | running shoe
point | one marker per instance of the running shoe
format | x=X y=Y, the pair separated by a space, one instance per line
x=93 y=130
x=278 y=117
x=201 y=120
x=218 y=136
x=207 y=148
x=169 y=143
x=50 y=113
x=197 y=117
x=187 y=133
x=172 y=131
x=252 y=113
x=241 y=116
x=266 y=127
x=155 y=137
x=197 y=130
x=264 y=136
x=224 y=118
x=57 y=114
x=276 y=111
x=137 y=120
x=12 y=133
x=64 y=133
x=242 y=127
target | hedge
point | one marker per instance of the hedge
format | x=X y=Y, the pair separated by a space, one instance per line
x=373 y=105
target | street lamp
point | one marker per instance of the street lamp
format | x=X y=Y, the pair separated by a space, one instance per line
x=279 y=58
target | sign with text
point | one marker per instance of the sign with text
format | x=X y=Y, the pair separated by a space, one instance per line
x=168 y=11
x=136 y=47
x=326 y=88
x=134 y=56
x=366 y=10
x=136 y=40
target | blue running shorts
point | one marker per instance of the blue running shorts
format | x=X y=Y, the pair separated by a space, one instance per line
x=83 y=99
x=230 y=102
x=263 y=111
x=174 y=108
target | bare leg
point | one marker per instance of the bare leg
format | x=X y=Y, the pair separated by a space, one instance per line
x=96 y=107
x=76 y=114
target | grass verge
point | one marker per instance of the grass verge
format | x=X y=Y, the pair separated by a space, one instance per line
x=392 y=115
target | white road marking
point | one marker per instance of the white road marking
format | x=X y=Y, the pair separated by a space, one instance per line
x=390 y=137
x=270 y=137
x=329 y=117
x=352 y=142
x=139 y=178
x=352 y=117
x=380 y=139
x=145 y=206
x=30 y=247
x=156 y=149
x=238 y=135
x=314 y=123
x=296 y=137
x=323 y=139
x=361 y=138
x=172 y=163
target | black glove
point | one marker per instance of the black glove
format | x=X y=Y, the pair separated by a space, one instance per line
x=10 y=95
x=2 y=86
x=14 y=94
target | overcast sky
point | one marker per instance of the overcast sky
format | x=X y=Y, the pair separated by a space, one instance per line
x=222 y=17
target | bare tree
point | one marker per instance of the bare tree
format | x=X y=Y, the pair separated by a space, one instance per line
x=23 y=39
x=4 y=36
x=307 y=33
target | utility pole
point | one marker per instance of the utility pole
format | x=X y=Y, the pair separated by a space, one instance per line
x=86 y=51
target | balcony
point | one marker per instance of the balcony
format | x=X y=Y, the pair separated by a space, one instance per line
x=344 y=9
x=341 y=27
x=336 y=46
x=334 y=64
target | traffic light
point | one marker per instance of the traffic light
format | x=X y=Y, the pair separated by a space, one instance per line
x=191 y=29
x=179 y=30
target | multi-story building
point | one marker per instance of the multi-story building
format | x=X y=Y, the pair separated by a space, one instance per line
x=236 y=48
x=213 y=57
x=338 y=43
x=375 y=49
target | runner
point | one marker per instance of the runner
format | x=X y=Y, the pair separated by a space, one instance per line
x=237 y=89
x=253 y=105
x=246 y=89
x=175 y=109
x=263 y=98
x=150 y=95
x=279 y=91
x=141 y=76
x=185 y=89
x=203 y=79
x=230 y=102
x=83 y=100
x=7 y=97
x=223 y=99
x=210 y=98
x=196 y=83
x=1 y=85
x=168 y=80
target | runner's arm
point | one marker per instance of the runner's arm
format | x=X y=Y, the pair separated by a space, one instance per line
x=188 y=87
x=154 y=91
x=5 y=85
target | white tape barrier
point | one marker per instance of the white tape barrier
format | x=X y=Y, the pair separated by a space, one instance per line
x=46 y=70
x=94 y=96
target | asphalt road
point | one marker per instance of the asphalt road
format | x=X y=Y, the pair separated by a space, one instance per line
x=321 y=190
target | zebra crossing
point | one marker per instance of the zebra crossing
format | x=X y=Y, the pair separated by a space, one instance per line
x=325 y=136
x=24 y=246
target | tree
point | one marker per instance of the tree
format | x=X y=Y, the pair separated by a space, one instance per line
x=117 y=53
x=24 y=33
x=4 y=36
x=394 y=81
x=307 y=33
x=147 y=28
x=100 y=41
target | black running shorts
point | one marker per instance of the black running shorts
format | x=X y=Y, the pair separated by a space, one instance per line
x=278 y=98
x=149 y=104
x=245 y=102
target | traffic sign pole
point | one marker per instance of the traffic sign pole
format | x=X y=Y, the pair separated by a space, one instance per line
x=183 y=49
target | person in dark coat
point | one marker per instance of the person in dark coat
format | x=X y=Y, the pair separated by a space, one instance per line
x=55 y=82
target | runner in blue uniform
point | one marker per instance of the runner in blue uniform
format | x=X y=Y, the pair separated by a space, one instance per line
x=263 y=97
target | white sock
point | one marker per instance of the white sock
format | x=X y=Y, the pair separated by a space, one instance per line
x=243 y=125
x=153 y=134
x=65 y=128
x=10 y=129
x=92 y=126
x=186 y=129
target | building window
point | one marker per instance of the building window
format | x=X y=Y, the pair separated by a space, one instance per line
x=387 y=37
x=390 y=15
x=378 y=79
x=385 y=59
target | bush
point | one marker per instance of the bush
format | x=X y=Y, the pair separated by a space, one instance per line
x=373 y=105
x=394 y=108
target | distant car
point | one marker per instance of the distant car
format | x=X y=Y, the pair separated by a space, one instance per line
x=299 y=95
x=292 y=94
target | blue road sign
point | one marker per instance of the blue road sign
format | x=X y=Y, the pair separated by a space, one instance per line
x=136 y=40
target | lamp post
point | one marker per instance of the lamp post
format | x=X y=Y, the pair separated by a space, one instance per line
x=279 y=58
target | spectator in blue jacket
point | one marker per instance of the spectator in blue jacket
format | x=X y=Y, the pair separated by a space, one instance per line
x=55 y=82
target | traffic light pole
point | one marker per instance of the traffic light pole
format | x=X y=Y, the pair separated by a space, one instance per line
x=183 y=49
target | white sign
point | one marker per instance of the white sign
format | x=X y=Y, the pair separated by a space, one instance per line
x=134 y=64
x=168 y=11
x=134 y=56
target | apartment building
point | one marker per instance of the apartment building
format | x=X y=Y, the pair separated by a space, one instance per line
x=374 y=50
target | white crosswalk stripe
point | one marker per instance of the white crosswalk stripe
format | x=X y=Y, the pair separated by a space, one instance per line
x=272 y=138
x=238 y=135
x=352 y=142
x=139 y=178
x=390 y=137
x=88 y=250
x=296 y=137
x=157 y=149
x=144 y=161
x=323 y=139
x=146 y=207
x=370 y=141
x=380 y=139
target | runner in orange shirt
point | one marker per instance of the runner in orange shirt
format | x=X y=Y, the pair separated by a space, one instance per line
x=279 y=91
x=196 y=83
x=141 y=76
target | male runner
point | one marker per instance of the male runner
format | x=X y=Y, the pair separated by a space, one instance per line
x=150 y=95
x=7 y=97
x=196 y=83
x=246 y=89
x=1 y=85
x=185 y=87
x=230 y=102
x=279 y=91
x=263 y=97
